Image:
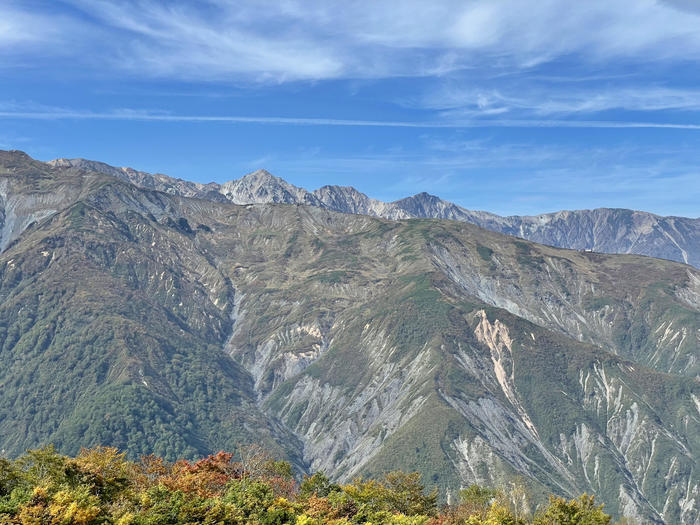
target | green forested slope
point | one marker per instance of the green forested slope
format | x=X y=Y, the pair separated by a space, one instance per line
x=103 y=344
x=348 y=344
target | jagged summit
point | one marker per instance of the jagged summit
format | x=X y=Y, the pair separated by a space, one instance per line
x=262 y=176
x=347 y=199
x=425 y=205
x=606 y=230
x=262 y=187
x=425 y=195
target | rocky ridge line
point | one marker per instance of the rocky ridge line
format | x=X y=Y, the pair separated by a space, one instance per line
x=606 y=230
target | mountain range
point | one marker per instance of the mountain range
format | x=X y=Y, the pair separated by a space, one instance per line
x=606 y=230
x=163 y=316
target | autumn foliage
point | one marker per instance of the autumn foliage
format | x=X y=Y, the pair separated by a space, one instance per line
x=100 y=486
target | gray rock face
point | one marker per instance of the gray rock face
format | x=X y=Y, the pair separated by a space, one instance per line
x=603 y=230
x=613 y=231
x=352 y=344
x=346 y=199
x=430 y=206
x=261 y=187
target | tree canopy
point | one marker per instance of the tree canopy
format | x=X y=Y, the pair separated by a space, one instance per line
x=100 y=486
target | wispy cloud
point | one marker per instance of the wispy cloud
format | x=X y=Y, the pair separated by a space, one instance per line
x=13 y=28
x=31 y=34
x=312 y=39
x=210 y=41
x=455 y=102
x=146 y=116
x=485 y=57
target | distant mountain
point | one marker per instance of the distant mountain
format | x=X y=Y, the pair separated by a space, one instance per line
x=346 y=199
x=143 y=179
x=432 y=207
x=350 y=344
x=263 y=188
x=614 y=231
x=605 y=230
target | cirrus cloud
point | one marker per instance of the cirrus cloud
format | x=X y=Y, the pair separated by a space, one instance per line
x=267 y=41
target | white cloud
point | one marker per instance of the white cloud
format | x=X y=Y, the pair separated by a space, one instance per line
x=530 y=103
x=278 y=41
x=22 y=29
x=23 y=112
x=175 y=40
x=636 y=99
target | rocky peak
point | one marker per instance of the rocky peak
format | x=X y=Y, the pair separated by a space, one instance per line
x=143 y=179
x=606 y=230
x=427 y=205
x=261 y=186
x=425 y=196
x=347 y=199
x=343 y=198
x=263 y=176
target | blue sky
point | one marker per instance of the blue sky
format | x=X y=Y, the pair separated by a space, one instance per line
x=509 y=106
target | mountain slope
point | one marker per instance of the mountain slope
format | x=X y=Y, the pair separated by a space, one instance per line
x=603 y=230
x=429 y=377
x=104 y=339
x=351 y=344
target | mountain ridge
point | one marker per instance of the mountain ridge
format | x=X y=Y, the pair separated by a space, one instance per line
x=608 y=230
x=352 y=344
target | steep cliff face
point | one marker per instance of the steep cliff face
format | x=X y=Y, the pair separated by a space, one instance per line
x=600 y=308
x=348 y=343
x=603 y=230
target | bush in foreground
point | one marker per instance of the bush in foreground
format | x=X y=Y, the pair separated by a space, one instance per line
x=100 y=486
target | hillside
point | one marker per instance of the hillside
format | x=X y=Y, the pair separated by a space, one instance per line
x=349 y=344
x=605 y=230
